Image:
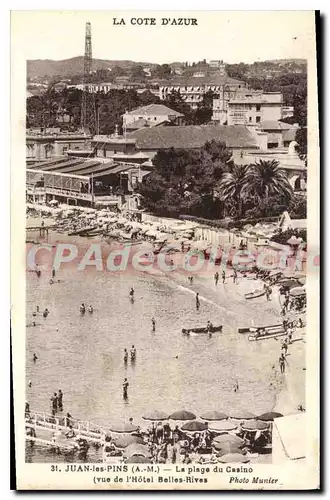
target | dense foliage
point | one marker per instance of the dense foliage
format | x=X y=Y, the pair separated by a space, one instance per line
x=47 y=109
x=207 y=183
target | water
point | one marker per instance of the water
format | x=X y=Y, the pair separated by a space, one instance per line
x=83 y=355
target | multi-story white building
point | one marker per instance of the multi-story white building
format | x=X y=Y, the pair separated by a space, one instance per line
x=193 y=89
x=254 y=107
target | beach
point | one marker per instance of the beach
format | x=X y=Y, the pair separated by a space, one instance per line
x=207 y=368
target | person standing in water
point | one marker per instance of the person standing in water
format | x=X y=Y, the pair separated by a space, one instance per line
x=60 y=400
x=35 y=357
x=153 y=323
x=82 y=308
x=125 y=388
x=223 y=276
x=216 y=278
x=125 y=356
x=53 y=273
x=131 y=293
x=197 y=301
x=235 y=276
x=282 y=360
x=54 y=401
x=90 y=309
x=133 y=353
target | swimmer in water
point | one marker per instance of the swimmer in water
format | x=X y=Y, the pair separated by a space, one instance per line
x=82 y=308
x=29 y=383
x=45 y=313
x=131 y=292
x=35 y=357
x=90 y=309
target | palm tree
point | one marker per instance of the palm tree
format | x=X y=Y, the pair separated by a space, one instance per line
x=231 y=187
x=264 y=179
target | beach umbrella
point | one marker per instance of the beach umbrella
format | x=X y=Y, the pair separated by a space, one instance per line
x=225 y=448
x=194 y=426
x=137 y=449
x=182 y=415
x=233 y=457
x=298 y=291
x=229 y=438
x=124 y=427
x=156 y=415
x=294 y=240
x=222 y=426
x=214 y=415
x=289 y=283
x=125 y=441
x=269 y=416
x=254 y=425
x=138 y=459
x=242 y=415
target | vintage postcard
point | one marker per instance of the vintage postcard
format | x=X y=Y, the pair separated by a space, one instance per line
x=165 y=250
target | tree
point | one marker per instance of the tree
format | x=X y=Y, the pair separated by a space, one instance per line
x=264 y=179
x=183 y=181
x=230 y=187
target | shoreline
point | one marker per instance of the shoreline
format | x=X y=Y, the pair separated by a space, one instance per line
x=285 y=392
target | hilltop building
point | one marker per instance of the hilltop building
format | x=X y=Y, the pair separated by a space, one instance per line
x=193 y=89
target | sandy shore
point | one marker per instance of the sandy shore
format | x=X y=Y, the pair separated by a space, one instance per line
x=289 y=389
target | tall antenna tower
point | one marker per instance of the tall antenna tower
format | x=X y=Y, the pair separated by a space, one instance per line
x=88 y=109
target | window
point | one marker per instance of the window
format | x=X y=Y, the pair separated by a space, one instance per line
x=258 y=119
x=258 y=107
x=250 y=119
x=155 y=118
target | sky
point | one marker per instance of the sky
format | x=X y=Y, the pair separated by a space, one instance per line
x=238 y=36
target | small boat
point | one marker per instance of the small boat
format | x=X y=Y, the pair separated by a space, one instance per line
x=265 y=336
x=255 y=294
x=212 y=329
x=251 y=328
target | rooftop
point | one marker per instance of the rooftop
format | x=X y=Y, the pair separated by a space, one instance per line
x=276 y=125
x=154 y=109
x=193 y=136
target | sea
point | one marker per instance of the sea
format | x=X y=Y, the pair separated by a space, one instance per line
x=83 y=355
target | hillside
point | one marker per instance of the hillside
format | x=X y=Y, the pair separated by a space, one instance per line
x=68 y=67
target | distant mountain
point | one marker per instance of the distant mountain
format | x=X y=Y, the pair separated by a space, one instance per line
x=68 y=67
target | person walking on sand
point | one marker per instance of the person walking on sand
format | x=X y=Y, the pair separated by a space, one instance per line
x=216 y=278
x=282 y=360
x=234 y=276
x=236 y=388
x=53 y=273
x=268 y=293
x=223 y=276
